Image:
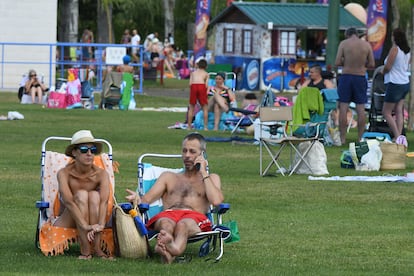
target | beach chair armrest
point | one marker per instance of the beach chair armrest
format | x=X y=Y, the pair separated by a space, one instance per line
x=221 y=208
x=42 y=204
x=243 y=111
x=143 y=207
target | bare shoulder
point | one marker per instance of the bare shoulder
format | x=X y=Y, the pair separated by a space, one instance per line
x=101 y=172
x=62 y=172
x=167 y=176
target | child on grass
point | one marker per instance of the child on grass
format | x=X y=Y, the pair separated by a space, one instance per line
x=198 y=91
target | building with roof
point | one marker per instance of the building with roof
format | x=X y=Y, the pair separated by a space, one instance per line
x=272 y=43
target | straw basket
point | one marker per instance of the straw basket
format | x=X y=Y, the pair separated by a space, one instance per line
x=128 y=241
x=393 y=156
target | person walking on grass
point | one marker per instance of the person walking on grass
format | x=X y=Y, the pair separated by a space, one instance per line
x=198 y=91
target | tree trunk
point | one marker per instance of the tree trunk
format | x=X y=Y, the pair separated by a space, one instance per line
x=395 y=15
x=73 y=20
x=69 y=17
x=411 y=105
x=104 y=22
x=168 y=6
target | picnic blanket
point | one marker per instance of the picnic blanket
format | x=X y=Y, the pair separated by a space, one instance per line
x=381 y=178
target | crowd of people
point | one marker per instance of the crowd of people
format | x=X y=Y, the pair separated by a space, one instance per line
x=354 y=56
x=175 y=61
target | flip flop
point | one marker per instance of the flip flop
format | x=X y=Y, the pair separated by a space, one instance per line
x=105 y=257
x=85 y=257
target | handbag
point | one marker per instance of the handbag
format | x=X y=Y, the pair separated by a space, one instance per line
x=56 y=100
x=234 y=231
x=393 y=156
x=128 y=240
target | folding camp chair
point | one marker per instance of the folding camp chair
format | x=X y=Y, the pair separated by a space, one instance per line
x=314 y=112
x=147 y=176
x=246 y=118
x=278 y=119
x=111 y=90
x=53 y=240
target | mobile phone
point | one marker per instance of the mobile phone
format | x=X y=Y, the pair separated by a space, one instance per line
x=197 y=165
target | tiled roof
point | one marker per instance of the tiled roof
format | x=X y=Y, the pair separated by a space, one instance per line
x=299 y=15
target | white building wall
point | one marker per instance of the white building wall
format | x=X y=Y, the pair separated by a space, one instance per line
x=26 y=21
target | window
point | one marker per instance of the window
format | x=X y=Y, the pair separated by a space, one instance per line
x=228 y=41
x=287 y=43
x=247 y=42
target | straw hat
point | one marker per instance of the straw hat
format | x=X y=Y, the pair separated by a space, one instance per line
x=82 y=137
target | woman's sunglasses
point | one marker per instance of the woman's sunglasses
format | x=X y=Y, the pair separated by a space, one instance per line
x=84 y=149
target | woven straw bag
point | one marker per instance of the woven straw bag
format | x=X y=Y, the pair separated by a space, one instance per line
x=127 y=239
x=393 y=156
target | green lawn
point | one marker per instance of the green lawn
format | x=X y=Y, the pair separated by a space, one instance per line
x=288 y=225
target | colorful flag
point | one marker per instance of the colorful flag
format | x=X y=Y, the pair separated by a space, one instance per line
x=201 y=24
x=377 y=25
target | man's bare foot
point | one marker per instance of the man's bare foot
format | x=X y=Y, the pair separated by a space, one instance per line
x=166 y=257
x=166 y=241
x=164 y=237
x=206 y=129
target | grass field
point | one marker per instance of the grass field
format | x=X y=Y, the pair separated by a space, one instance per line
x=288 y=225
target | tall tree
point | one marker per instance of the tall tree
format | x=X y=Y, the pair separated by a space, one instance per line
x=69 y=17
x=168 y=6
x=105 y=32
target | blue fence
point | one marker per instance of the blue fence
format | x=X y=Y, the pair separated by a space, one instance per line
x=58 y=57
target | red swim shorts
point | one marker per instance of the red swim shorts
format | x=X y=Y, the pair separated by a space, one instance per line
x=177 y=214
x=198 y=91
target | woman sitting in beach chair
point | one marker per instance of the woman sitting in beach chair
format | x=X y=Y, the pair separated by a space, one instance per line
x=72 y=208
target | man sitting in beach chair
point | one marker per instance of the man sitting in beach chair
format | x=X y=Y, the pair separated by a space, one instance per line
x=186 y=198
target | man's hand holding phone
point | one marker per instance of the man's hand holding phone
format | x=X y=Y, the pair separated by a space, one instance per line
x=203 y=156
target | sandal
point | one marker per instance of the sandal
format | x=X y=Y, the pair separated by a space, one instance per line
x=85 y=257
x=105 y=257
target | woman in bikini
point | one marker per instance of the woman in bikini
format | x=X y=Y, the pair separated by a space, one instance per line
x=220 y=97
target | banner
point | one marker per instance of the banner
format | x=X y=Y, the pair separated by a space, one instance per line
x=377 y=25
x=201 y=23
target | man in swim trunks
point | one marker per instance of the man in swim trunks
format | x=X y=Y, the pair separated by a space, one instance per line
x=84 y=190
x=186 y=198
x=355 y=56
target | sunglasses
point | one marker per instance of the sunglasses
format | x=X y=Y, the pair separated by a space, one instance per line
x=84 y=149
x=33 y=75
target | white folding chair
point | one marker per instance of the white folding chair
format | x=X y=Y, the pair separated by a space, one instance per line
x=278 y=120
